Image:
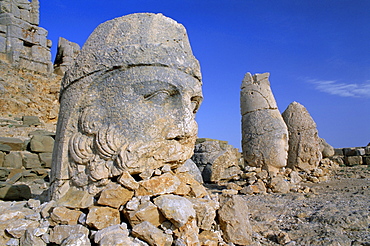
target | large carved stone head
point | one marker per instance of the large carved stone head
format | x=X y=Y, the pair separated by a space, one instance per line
x=127 y=104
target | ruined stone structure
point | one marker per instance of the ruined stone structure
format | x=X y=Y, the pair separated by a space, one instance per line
x=22 y=42
x=264 y=133
x=66 y=53
x=304 y=142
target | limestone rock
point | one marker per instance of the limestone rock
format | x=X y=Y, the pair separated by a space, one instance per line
x=234 y=220
x=177 y=209
x=128 y=181
x=31 y=120
x=190 y=167
x=120 y=229
x=15 y=192
x=11 y=144
x=46 y=159
x=209 y=238
x=326 y=149
x=28 y=238
x=304 y=142
x=151 y=234
x=76 y=239
x=264 y=133
x=61 y=232
x=146 y=124
x=40 y=143
x=216 y=160
x=145 y=211
x=101 y=217
x=164 y=184
x=115 y=196
x=76 y=199
x=187 y=234
x=66 y=53
x=189 y=186
x=65 y=216
x=279 y=185
x=13 y=159
x=205 y=212
x=30 y=160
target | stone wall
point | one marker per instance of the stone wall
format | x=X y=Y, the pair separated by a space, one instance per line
x=22 y=42
x=352 y=156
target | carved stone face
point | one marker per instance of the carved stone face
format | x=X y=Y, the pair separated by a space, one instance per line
x=135 y=119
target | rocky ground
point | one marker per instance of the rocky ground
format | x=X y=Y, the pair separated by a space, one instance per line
x=336 y=212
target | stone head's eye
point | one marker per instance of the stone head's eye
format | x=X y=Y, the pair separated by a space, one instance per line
x=158 y=97
x=195 y=103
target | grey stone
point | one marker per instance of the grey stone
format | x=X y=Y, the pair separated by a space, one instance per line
x=326 y=149
x=234 y=220
x=304 y=142
x=15 y=192
x=31 y=120
x=11 y=144
x=338 y=152
x=190 y=167
x=13 y=159
x=216 y=160
x=30 y=160
x=46 y=159
x=353 y=160
x=40 y=143
x=264 y=133
x=62 y=232
x=128 y=103
x=176 y=209
x=2 y=157
x=66 y=53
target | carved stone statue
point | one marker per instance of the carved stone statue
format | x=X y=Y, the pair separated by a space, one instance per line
x=127 y=104
x=264 y=133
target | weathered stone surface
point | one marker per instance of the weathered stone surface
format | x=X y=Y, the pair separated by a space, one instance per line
x=13 y=159
x=205 y=212
x=115 y=196
x=279 y=185
x=177 y=209
x=101 y=217
x=28 y=238
x=304 y=142
x=18 y=227
x=128 y=181
x=187 y=234
x=264 y=133
x=216 y=160
x=2 y=157
x=15 y=192
x=74 y=198
x=147 y=123
x=30 y=160
x=145 y=211
x=46 y=159
x=353 y=160
x=40 y=143
x=208 y=238
x=189 y=186
x=326 y=149
x=61 y=232
x=31 y=120
x=76 y=239
x=66 y=53
x=164 y=184
x=190 y=167
x=234 y=220
x=151 y=234
x=65 y=216
x=110 y=230
x=11 y=144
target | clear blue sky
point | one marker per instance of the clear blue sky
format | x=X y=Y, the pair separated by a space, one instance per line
x=317 y=51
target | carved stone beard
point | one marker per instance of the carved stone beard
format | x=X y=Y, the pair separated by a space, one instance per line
x=99 y=152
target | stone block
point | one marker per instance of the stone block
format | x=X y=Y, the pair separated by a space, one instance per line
x=76 y=199
x=25 y=15
x=353 y=160
x=41 y=143
x=30 y=160
x=11 y=144
x=366 y=160
x=128 y=181
x=111 y=231
x=367 y=150
x=40 y=54
x=166 y=183
x=115 y=196
x=338 y=152
x=15 y=192
x=146 y=211
x=2 y=44
x=46 y=159
x=102 y=217
x=65 y=216
x=13 y=160
x=205 y=212
x=62 y=232
x=151 y=234
x=31 y=120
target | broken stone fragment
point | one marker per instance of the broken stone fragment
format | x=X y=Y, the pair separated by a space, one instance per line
x=279 y=185
x=234 y=220
x=41 y=143
x=65 y=216
x=75 y=198
x=120 y=229
x=205 y=212
x=176 y=209
x=164 y=184
x=128 y=181
x=101 y=217
x=115 y=196
x=61 y=232
x=11 y=144
x=187 y=234
x=146 y=211
x=151 y=234
x=304 y=143
x=209 y=238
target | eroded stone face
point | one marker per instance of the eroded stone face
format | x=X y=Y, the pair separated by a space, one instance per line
x=130 y=113
x=264 y=133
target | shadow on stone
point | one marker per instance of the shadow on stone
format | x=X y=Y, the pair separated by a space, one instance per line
x=14 y=192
